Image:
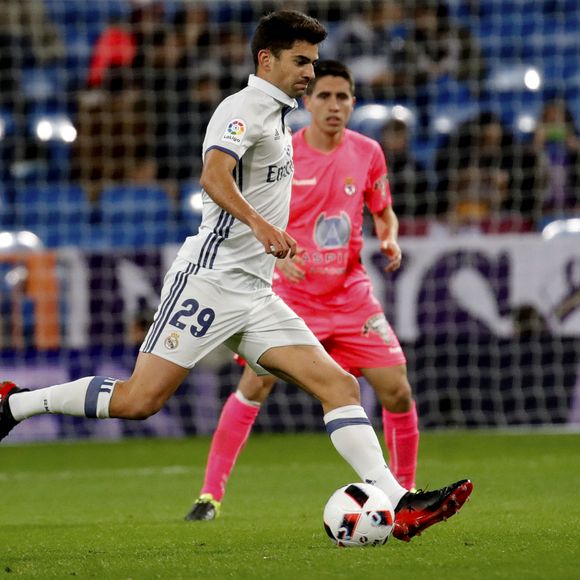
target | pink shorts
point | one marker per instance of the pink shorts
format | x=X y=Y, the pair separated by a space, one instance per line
x=356 y=338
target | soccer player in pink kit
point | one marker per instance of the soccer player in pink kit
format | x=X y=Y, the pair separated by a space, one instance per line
x=336 y=172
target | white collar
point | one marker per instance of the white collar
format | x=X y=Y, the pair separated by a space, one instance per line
x=272 y=90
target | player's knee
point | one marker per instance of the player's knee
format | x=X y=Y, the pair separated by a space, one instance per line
x=400 y=397
x=347 y=390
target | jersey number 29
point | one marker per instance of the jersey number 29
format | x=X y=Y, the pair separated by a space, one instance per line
x=204 y=317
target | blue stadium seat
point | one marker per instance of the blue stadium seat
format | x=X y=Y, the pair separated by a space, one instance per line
x=59 y=214
x=137 y=216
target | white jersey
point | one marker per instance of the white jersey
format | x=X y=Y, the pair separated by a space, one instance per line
x=250 y=126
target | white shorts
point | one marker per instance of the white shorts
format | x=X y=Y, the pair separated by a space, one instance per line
x=196 y=315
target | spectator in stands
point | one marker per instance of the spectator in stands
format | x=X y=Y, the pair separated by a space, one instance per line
x=114 y=104
x=114 y=138
x=232 y=59
x=407 y=176
x=437 y=51
x=27 y=39
x=14 y=146
x=369 y=42
x=436 y=46
x=556 y=140
x=161 y=72
x=483 y=171
x=191 y=22
x=37 y=38
x=118 y=45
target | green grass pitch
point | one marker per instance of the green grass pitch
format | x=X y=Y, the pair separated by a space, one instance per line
x=114 y=510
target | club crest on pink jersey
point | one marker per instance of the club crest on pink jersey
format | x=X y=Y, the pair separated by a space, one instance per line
x=349 y=186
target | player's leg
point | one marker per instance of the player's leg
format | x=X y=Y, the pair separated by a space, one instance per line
x=364 y=340
x=233 y=429
x=351 y=433
x=354 y=438
x=153 y=381
x=264 y=343
x=400 y=422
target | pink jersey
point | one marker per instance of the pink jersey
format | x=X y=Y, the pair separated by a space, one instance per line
x=329 y=191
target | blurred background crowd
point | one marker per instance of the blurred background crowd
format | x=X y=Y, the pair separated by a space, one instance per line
x=104 y=105
x=476 y=103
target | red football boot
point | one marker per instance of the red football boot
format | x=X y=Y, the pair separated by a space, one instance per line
x=416 y=512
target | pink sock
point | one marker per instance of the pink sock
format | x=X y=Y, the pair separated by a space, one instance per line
x=232 y=432
x=402 y=438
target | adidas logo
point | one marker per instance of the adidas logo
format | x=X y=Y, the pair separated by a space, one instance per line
x=276 y=135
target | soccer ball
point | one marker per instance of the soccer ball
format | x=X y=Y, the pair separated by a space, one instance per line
x=358 y=514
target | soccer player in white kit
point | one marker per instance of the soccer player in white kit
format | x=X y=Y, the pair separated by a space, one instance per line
x=218 y=289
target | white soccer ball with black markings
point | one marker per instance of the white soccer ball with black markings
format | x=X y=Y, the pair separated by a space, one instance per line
x=358 y=515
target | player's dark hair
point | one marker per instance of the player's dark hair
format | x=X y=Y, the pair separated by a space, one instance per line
x=279 y=31
x=330 y=68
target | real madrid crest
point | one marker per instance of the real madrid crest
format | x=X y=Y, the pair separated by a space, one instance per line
x=172 y=341
x=349 y=186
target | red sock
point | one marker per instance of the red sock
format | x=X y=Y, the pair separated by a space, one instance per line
x=402 y=438
x=232 y=432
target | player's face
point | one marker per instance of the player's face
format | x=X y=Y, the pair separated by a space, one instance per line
x=330 y=104
x=292 y=70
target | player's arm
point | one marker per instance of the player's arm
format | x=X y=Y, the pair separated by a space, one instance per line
x=387 y=228
x=218 y=182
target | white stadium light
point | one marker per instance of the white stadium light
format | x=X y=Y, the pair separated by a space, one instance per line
x=526 y=123
x=67 y=132
x=532 y=79
x=44 y=130
x=58 y=128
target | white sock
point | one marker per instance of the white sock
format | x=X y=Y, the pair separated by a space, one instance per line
x=354 y=438
x=86 y=397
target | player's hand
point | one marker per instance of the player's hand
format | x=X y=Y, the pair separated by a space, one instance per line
x=391 y=249
x=291 y=269
x=276 y=242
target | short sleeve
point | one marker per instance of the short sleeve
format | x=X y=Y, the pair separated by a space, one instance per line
x=378 y=191
x=234 y=127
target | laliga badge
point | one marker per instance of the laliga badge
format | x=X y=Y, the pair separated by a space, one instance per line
x=349 y=186
x=235 y=132
x=172 y=341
